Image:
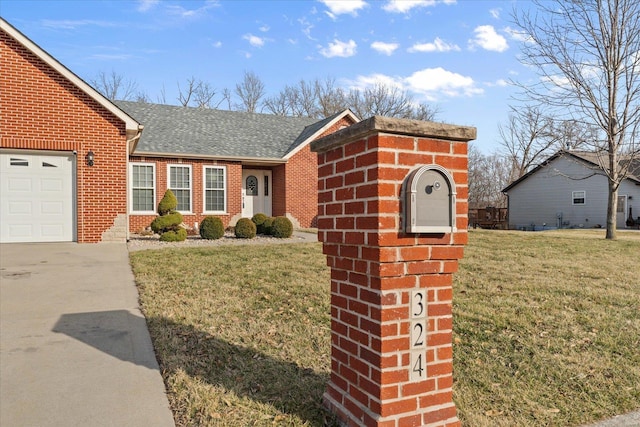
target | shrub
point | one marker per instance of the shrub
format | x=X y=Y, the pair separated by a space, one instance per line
x=168 y=203
x=179 y=235
x=168 y=222
x=211 y=228
x=258 y=220
x=267 y=225
x=245 y=229
x=282 y=227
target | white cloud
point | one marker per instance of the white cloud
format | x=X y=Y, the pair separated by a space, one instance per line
x=385 y=48
x=364 y=82
x=430 y=84
x=191 y=13
x=264 y=28
x=217 y=44
x=434 y=83
x=405 y=6
x=145 y=5
x=495 y=13
x=339 y=7
x=306 y=27
x=254 y=41
x=438 y=45
x=340 y=49
x=518 y=35
x=487 y=38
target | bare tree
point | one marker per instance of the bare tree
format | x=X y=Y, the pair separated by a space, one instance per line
x=586 y=53
x=331 y=99
x=251 y=90
x=488 y=175
x=526 y=139
x=390 y=101
x=114 y=86
x=199 y=94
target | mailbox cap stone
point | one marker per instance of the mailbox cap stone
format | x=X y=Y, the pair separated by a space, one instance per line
x=408 y=127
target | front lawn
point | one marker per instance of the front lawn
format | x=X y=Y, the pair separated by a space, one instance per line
x=546 y=330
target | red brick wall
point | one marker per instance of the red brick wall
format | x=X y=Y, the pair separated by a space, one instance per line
x=41 y=110
x=138 y=222
x=301 y=183
x=375 y=267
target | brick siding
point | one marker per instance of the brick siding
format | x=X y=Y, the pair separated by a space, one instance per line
x=42 y=110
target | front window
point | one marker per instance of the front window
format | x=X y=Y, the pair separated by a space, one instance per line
x=578 y=197
x=214 y=189
x=143 y=188
x=180 y=185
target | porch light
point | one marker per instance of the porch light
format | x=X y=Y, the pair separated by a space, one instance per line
x=90 y=156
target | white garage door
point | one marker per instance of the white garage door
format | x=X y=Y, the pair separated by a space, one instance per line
x=36 y=197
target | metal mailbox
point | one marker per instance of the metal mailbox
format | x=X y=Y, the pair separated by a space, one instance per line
x=430 y=201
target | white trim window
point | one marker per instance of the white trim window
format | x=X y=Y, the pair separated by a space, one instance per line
x=578 y=197
x=215 y=189
x=143 y=188
x=179 y=182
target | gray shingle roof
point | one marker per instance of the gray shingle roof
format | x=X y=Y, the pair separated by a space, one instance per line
x=207 y=132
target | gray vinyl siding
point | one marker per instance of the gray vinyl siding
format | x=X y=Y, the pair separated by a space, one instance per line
x=546 y=195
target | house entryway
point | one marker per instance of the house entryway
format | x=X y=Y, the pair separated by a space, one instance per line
x=256 y=192
x=621 y=217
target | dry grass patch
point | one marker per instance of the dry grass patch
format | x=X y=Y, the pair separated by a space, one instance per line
x=546 y=330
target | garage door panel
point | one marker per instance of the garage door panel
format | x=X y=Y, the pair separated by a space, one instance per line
x=37 y=197
x=20 y=232
x=52 y=208
x=48 y=231
x=20 y=208
x=51 y=184
x=19 y=185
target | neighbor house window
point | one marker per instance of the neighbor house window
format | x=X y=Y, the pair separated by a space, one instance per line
x=143 y=188
x=215 y=188
x=578 y=197
x=180 y=184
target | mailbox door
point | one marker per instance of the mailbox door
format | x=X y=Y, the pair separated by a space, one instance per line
x=432 y=205
x=430 y=201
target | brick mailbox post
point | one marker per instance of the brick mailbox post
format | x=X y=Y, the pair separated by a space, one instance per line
x=392 y=216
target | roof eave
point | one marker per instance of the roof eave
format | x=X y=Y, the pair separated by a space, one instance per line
x=320 y=131
x=239 y=159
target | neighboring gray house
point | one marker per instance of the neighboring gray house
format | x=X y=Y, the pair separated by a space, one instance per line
x=569 y=190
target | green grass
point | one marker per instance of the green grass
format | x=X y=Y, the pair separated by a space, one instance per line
x=546 y=330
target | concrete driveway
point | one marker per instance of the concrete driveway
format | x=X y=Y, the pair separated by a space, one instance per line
x=74 y=347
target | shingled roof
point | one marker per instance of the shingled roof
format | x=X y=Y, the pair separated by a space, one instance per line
x=175 y=130
x=594 y=159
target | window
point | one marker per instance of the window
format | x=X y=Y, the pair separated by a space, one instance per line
x=215 y=189
x=252 y=186
x=143 y=188
x=180 y=184
x=18 y=162
x=578 y=197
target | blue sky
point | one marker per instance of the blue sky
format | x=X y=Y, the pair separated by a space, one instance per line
x=456 y=55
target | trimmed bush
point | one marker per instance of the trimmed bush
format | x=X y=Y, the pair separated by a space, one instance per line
x=258 y=220
x=211 y=228
x=168 y=203
x=168 y=222
x=179 y=235
x=245 y=229
x=282 y=227
x=267 y=225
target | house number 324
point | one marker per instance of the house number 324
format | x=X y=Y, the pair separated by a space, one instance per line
x=418 y=362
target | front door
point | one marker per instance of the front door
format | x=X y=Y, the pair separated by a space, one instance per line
x=256 y=192
x=621 y=217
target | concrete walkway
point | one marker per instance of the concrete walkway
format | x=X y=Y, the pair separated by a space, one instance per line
x=74 y=347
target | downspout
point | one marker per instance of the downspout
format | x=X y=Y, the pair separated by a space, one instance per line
x=131 y=146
